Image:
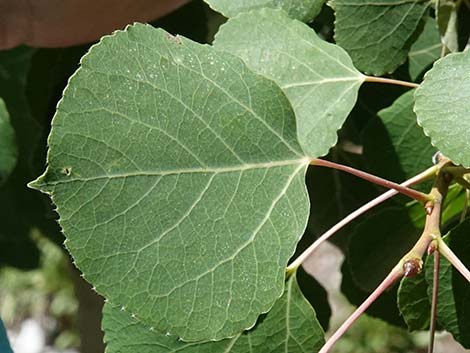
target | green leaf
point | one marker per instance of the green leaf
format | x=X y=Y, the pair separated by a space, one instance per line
x=453 y=306
x=447 y=21
x=177 y=170
x=317 y=77
x=425 y=50
x=442 y=105
x=380 y=241
x=395 y=147
x=8 y=151
x=376 y=33
x=4 y=344
x=385 y=307
x=290 y=326
x=18 y=204
x=413 y=302
x=303 y=10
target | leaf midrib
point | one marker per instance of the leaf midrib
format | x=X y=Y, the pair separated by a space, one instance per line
x=216 y=170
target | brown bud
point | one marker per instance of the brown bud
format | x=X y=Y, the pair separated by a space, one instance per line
x=412 y=267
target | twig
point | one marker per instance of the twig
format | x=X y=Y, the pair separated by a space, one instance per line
x=353 y=215
x=414 y=194
x=435 y=292
x=393 y=276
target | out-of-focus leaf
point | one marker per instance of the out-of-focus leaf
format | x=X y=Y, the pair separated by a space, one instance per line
x=303 y=10
x=8 y=151
x=425 y=50
x=395 y=146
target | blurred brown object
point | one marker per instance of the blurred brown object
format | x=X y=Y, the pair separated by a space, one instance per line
x=60 y=23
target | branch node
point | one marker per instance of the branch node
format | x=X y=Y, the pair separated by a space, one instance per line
x=412 y=267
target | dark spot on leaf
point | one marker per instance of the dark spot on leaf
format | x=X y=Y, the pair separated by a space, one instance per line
x=67 y=171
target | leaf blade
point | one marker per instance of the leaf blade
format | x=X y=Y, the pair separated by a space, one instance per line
x=187 y=218
x=290 y=326
x=441 y=103
x=303 y=10
x=317 y=77
x=377 y=46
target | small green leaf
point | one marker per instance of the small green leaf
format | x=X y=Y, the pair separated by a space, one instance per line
x=395 y=147
x=442 y=106
x=413 y=302
x=290 y=326
x=377 y=34
x=303 y=10
x=179 y=182
x=425 y=50
x=8 y=151
x=317 y=77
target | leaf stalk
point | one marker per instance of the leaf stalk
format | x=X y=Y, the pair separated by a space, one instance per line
x=353 y=215
x=390 y=81
x=414 y=194
x=453 y=259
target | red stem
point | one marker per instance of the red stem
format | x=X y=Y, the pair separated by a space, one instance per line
x=393 y=276
x=417 y=195
x=435 y=292
x=353 y=215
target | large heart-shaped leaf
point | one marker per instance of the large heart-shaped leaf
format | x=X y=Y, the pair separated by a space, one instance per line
x=442 y=106
x=290 y=326
x=377 y=34
x=179 y=182
x=8 y=151
x=317 y=77
x=304 y=10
